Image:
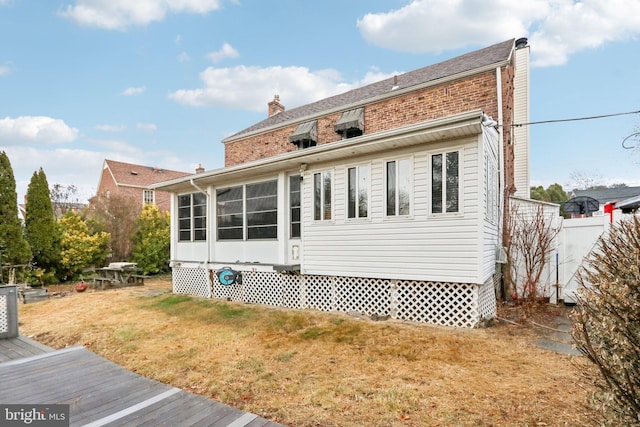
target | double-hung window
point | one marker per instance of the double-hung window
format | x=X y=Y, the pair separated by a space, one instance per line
x=322 y=196
x=398 y=187
x=358 y=192
x=445 y=182
x=192 y=217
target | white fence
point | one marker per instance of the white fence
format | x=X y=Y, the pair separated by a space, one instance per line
x=576 y=238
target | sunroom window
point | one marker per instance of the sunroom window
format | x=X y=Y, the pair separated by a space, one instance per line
x=398 y=187
x=262 y=210
x=248 y=211
x=445 y=183
x=358 y=192
x=322 y=196
x=192 y=217
x=230 y=213
x=294 y=206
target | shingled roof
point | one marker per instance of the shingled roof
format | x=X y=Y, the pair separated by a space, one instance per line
x=462 y=64
x=139 y=176
x=606 y=195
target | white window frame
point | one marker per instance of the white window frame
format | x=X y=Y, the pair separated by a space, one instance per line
x=322 y=214
x=443 y=153
x=358 y=176
x=146 y=200
x=195 y=233
x=291 y=207
x=411 y=172
x=245 y=212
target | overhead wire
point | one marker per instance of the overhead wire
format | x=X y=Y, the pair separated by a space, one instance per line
x=575 y=119
x=602 y=116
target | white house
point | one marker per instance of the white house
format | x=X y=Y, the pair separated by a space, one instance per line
x=385 y=200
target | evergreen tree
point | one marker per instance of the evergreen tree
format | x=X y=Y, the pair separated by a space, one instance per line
x=40 y=225
x=14 y=249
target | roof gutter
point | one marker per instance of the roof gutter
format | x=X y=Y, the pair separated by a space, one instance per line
x=324 y=151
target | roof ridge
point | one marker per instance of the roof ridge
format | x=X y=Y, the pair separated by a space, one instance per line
x=457 y=65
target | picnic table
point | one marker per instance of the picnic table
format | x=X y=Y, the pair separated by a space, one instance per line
x=118 y=273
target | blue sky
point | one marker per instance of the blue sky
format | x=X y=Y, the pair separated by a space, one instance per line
x=162 y=82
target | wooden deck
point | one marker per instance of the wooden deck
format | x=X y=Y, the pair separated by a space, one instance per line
x=101 y=393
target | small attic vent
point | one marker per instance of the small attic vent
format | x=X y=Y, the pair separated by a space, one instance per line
x=133 y=173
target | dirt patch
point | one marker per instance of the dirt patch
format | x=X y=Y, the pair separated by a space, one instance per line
x=305 y=368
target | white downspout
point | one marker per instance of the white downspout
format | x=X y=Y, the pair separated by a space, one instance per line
x=500 y=156
x=206 y=193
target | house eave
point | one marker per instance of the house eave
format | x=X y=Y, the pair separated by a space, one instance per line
x=364 y=102
x=456 y=126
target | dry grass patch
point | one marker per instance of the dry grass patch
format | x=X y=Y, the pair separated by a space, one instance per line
x=305 y=368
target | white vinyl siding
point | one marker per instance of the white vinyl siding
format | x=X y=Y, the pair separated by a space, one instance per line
x=416 y=247
x=521 y=134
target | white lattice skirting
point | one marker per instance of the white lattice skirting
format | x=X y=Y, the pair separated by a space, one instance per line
x=4 y=314
x=448 y=304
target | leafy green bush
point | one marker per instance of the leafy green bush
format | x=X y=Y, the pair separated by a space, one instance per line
x=607 y=323
x=152 y=241
x=80 y=248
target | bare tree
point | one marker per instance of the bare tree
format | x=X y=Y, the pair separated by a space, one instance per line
x=117 y=215
x=529 y=239
x=64 y=198
x=583 y=180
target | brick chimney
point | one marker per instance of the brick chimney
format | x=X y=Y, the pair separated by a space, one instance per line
x=274 y=106
x=199 y=169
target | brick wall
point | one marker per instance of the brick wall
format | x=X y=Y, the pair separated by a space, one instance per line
x=474 y=92
x=107 y=184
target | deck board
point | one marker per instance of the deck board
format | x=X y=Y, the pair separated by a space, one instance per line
x=15 y=348
x=99 y=392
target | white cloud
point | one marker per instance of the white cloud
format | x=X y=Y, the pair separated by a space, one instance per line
x=111 y=128
x=133 y=91
x=40 y=129
x=556 y=28
x=120 y=14
x=147 y=127
x=4 y=70
x=572 y=27
x=183 y=57
x=62 y=166
x=226 y=51
x=250 y=88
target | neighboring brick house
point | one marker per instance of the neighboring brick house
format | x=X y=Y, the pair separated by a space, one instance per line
x=133 y=181
x=385 y=200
